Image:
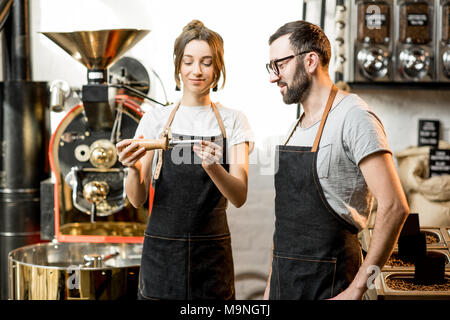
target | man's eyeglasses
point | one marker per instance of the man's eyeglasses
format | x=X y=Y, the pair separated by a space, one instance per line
x=273 y=65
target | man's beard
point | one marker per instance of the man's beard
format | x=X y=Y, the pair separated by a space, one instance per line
x=299 y=90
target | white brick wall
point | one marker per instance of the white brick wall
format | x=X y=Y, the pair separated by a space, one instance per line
x=251 y=228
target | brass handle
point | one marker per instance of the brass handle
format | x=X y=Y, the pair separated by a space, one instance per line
x=152 y=144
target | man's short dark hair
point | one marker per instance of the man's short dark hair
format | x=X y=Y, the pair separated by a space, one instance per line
x=306 y=36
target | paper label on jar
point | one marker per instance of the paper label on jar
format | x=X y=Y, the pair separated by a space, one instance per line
x=375 y=20
x=417 y=19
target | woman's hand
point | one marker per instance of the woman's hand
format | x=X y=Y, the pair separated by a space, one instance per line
x=129 y=152
x=231 y=183
x=209 y=152
x=139 y=176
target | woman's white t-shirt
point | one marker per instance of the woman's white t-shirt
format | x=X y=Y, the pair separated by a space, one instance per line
x=197 y=121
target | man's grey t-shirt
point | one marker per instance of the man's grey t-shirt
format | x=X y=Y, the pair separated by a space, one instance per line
x=351 y=133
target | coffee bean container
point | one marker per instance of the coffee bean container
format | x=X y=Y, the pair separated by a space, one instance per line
x=373 y=44
x=393 y=285
x=443 y=43
x=415 y=40
x=435 y=238
x=396 y=263
x=445 y=231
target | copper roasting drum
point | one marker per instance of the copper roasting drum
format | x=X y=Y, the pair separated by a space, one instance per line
x=74 y=271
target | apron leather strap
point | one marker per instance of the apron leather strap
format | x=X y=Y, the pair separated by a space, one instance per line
x=328 y=106
x=219 y=120
x=333 y=93
x=169 y=122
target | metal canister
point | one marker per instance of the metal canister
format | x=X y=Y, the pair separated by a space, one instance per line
x=23 y=164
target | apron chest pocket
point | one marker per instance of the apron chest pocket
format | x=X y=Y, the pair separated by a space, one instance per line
x=323 y=161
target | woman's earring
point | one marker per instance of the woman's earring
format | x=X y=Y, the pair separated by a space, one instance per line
x=177 y=88
x=215 y=88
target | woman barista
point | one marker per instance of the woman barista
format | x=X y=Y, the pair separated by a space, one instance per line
x=187 y=248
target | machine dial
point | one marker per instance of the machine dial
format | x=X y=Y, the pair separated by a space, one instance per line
x=103 y=154
x=82 y=153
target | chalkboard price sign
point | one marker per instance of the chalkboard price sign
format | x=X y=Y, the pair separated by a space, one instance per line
x=429 y=133
x=439 y=162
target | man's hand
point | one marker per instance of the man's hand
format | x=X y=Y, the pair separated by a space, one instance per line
x=351 y=293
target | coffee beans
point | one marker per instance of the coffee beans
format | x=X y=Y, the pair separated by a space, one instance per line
x=373 y=22
x=407 y=284
x=446 y=23
x=431 y=238
x=415 y=23
x=396 y=261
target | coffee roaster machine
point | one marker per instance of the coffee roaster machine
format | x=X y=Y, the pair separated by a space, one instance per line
x=90 y=236
x=393 y=42
x=88 y=188
x=96 y=234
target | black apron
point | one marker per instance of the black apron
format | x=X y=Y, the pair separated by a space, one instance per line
x=316 y=253
x=187 y=246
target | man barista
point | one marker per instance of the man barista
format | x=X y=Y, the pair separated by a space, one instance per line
x=335 y=161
